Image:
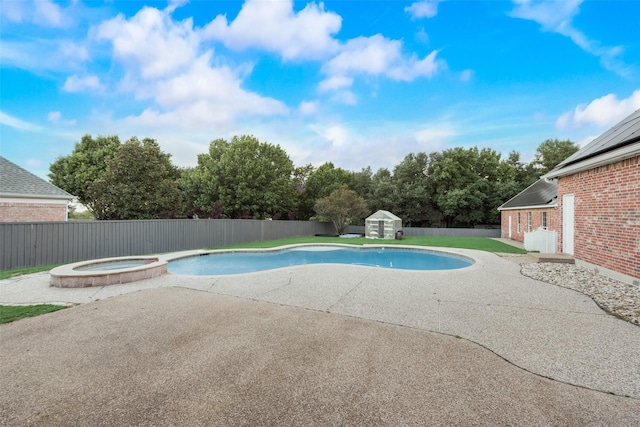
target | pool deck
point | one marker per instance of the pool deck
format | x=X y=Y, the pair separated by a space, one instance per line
x=530 y=328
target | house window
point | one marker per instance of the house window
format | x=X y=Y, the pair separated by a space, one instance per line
x=529 y=222
x=518 y=222
x=544 y=220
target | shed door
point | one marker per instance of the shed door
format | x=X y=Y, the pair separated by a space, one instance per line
x=381 y=228
x=567 y=223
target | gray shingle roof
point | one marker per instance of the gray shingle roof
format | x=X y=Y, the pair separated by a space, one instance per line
x=624 y=133
x=540 y=193
x=18 y=182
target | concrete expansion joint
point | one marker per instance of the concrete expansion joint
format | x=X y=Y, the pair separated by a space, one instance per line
x=210 y=288
x=287 y=283
x=489 y=349
x=343 y=297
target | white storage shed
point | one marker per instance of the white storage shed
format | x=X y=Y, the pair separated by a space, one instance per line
x=383 y=225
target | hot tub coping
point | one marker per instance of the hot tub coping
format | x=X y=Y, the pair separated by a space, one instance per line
x=66 y=276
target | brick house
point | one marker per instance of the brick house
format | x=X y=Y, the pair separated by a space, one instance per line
x=598 y=201
x=534 y=207
x=24 y=197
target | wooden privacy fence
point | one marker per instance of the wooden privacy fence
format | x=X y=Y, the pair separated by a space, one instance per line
x=45 y=243
x=543 y=241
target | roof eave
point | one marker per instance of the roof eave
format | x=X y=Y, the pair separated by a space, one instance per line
x=607 y=158
x=517 y=208
x=36 y=196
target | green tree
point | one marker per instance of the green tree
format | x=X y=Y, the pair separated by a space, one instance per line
x=551 y=152
x=72 y=214
x=463 y=182
x=320 y=183
x=383 y=193
x=139 y=183
x=362 y=182
x=412 y=190
x=86 y=164
x=525 y=174
x=341 y=207
x=241 y=178
x=301 y=176
x=504 y=187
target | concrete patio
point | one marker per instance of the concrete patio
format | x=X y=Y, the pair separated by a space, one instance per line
x=336 y=344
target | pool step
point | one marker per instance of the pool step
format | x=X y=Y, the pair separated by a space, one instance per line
x=557 y=258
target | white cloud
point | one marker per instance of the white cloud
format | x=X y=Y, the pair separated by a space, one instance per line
x=150 y=44
x=174 y=4
x=80 y=84
x=345 y=97
x=33 y=163
x=369 y=55
x=219 y=88
x=436 y=134
x=337 y=135
x=48 y=13
x=14 y=122
x=552 y=15
x=466 y=75
x=334 y=83
x=74 y=51
x=163 y=62
x=43 y=54
x=307 y=108
x=423 y=9
x=274 y=26
x=56 y=117
x=557 y=16
x=355 y=146
x=13 y=10
x=375 y=55
x=412 y=68
x=203 y=95
x=604 y=111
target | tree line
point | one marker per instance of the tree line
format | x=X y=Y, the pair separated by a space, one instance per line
x=246 y=178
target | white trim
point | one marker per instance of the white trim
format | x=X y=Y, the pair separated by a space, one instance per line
x=568 y=224
x=607 y=158
x=37 y=200
x=524 y=208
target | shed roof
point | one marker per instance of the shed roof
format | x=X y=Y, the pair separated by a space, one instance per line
x=541 y=193
x=18 y=182
x=383 y=213
x=624 y=133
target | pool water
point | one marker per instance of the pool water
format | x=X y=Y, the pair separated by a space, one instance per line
x=113 y=265
x=243 y=262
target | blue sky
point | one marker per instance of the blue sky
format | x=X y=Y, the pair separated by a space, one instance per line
x=358 y=83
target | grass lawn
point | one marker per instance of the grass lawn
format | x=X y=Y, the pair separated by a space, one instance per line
x=10 y=313
x=479 y=243
x=5 y=274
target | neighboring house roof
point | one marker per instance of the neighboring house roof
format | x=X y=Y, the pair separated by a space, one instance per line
x=540 y=194
x=18 y=182
x=383 y=214
x=620 y=142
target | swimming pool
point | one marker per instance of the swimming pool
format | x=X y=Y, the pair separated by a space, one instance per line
x=383 y=257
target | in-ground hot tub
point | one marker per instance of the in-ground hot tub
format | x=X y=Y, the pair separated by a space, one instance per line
x=107 y=271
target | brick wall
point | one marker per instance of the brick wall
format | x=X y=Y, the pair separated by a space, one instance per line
x=606 y=215
x=32 y=212
x=536 y=221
